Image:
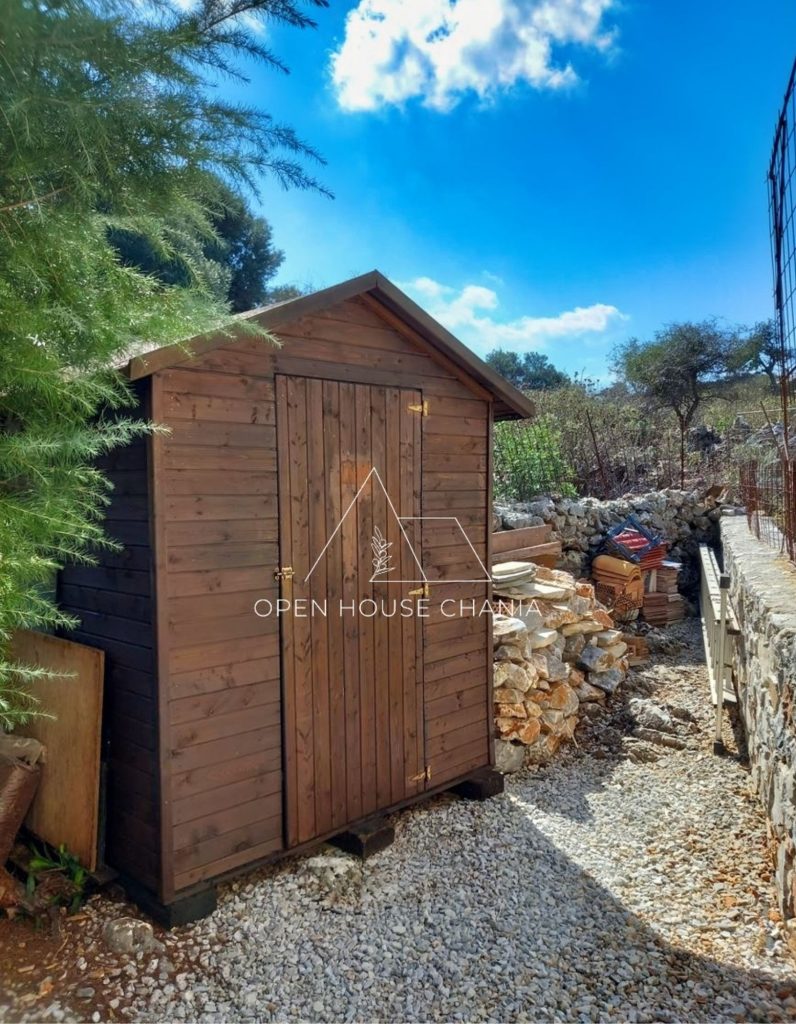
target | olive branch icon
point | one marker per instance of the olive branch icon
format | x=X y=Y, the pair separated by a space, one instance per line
x=381 y=553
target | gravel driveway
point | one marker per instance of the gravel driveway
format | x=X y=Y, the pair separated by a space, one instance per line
x=627 y=881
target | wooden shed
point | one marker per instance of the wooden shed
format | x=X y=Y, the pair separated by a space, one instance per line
x=350 y=466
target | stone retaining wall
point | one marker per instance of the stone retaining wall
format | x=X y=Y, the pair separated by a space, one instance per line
x=763 y=594
x=555 y=650
x=685 y=518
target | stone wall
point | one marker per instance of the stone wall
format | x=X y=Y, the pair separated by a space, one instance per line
x=685 y=518
x=763 y=595
x=555 y=650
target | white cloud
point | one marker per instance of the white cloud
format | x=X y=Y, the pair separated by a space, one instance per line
x=437 y=50
x=473 y=314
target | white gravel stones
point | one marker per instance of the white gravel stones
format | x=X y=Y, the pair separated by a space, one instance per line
x=598 y=888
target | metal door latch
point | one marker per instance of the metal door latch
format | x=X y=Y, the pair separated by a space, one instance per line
x=421 y=591
x=285 y=573
x=422 y=407
x=425 y=775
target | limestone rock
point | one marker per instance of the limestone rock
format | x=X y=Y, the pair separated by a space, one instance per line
x=541 y=638
x=510 y=652
x=563 y=698
x=513 y=677
x=608 y=637
x=584 y=626
x=573 y=646
x=529 y=731
x=608 y=681
x=595 y=659
x=506 y=695
x=588 y=694
x=509 y=757
x=556 y=615
x=511 y=710
x=129 y=935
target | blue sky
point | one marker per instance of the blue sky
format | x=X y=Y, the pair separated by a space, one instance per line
x=548 y=175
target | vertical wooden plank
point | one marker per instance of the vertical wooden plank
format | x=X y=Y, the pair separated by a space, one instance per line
x=302 y=634
x=381 y=593
x=318 y=623
x=364 y=509
x=286 y=621
x=395 y=676
x=335 y=623
x=411 y=626
x=488 y=562
x=158 y=519
x=417 y=499
x=350 y=593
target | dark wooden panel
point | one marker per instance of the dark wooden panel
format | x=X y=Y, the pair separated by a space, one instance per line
x=206 y=805
x=222 y=677
x=225 y=776
x=528 y=536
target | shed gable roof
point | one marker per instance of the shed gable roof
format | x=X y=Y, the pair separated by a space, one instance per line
x=509 y=402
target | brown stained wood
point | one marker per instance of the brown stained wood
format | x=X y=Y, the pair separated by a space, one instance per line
x=454 y=462
x=458 y=701
x=213 y=409
x=195 y=508
x=528 y=536
x=350 y=594
x=218 y=581
x=235 y=531
x=222 y=556
x=461 y=408
x=222 y=677
x=452 y=666
x=550 y=550
x=393 y=359
x=381 y=652
x=224 y=777
x=192 y=456
x=459 y=763
x=193 y=609
x=245 y=854
x=365 y=630
x=209 y=803
x=396 y=681
x=221 y=435
x=217 y=752
x=318 y=535
x=249 y=836
x=446 y=650
x=439 y=502
x=227 y=628
x=444 y=628
x=200 y=382
x=246 y=648
x=448 y=723
x=65 y=808
x=339 y=332
x=466 y=426
x=473 y=733
x=462 y=480
x=444 y=444
x=301 y=562
x=232 y=482
x=459 y=554
x=332 y=514
x=238 y=698
x=224 y=820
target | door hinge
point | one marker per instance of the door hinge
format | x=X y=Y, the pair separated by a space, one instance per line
x=421 y=591
x=285 y=573
x=421 y=407
x=425 y=775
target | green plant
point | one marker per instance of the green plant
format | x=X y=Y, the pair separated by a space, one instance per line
x=111 y=123
x=528 y=460
x=65 y=879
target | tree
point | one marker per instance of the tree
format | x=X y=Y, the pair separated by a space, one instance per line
x=679 y=368
x=529 y=372
x=109 y=124
x=760 y=352
x=236 y=263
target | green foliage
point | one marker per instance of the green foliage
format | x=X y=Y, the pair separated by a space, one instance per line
x=680 y=368
x=528 y=460
x=235 y=264
x=109 y=125
x=529 y=372
x=760 y=352
x=69 y=889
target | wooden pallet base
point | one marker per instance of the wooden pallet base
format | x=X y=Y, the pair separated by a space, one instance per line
x=367 y=839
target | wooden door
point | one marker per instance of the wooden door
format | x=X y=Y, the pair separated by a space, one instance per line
x=349 y=508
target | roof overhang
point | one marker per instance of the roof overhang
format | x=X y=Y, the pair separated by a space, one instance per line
x=509 y=402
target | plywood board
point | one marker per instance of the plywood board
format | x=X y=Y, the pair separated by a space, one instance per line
x=66 y=806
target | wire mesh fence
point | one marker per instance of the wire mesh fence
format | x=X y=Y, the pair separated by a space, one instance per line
x=768 y=487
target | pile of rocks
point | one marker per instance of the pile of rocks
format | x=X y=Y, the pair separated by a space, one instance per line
x=555 y=648
x=685 y=518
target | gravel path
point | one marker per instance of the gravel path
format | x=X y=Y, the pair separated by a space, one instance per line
x=627 y=881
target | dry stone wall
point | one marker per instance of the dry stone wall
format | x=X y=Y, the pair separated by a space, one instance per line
x=556 y=650
x=685 y=518
x=763 y=595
